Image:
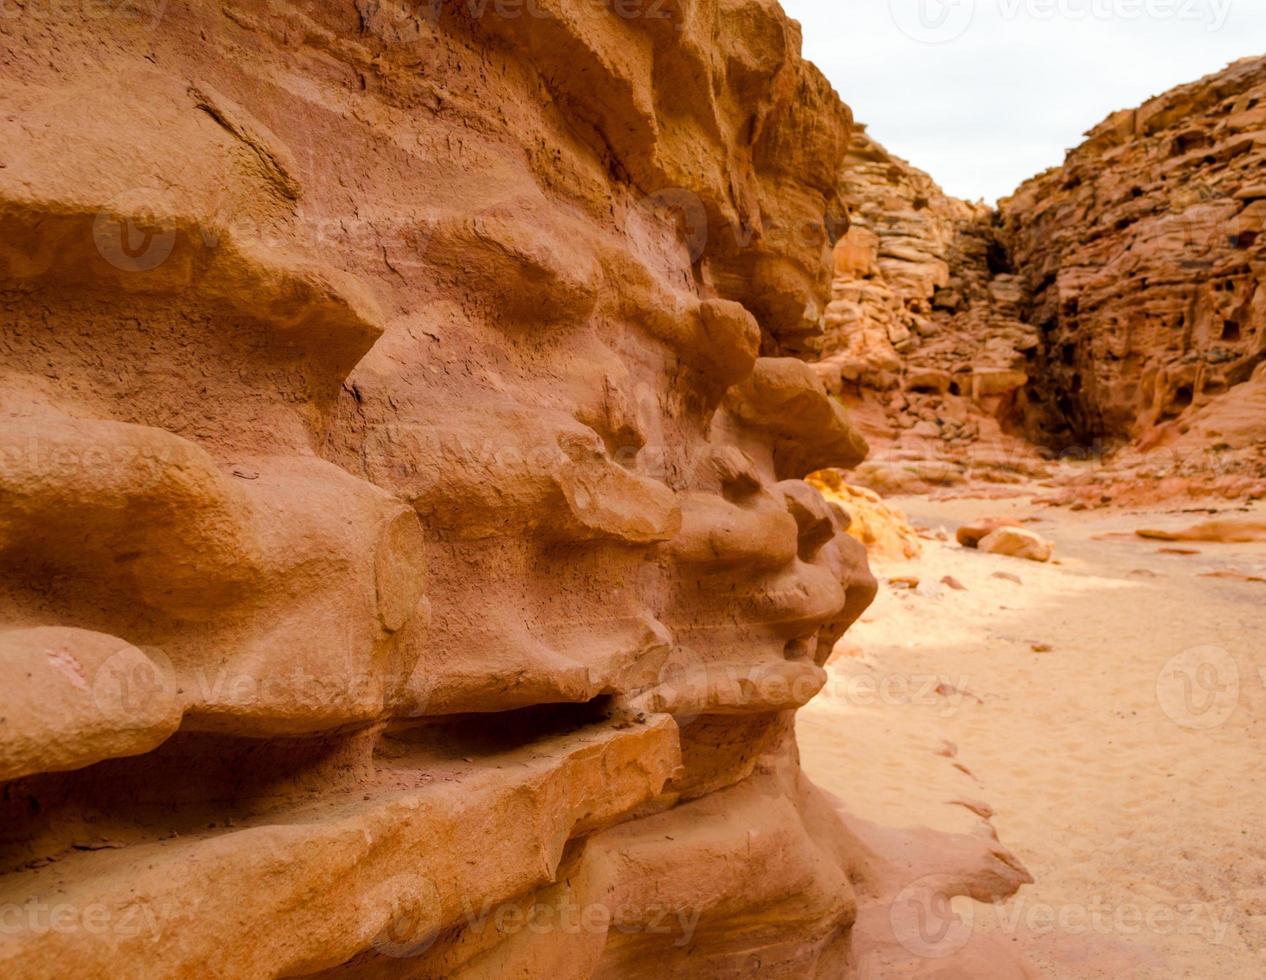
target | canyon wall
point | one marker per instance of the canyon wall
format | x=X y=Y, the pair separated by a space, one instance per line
x=1144 y=268
x=1111 y=313
x=403 y=525
x=924 y=338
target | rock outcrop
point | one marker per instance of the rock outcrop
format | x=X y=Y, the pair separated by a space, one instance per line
x=1113 y=311
x=1017 y=542
x=1144 y=263
x=885 y=531
x=407 y=565
x=924 y=339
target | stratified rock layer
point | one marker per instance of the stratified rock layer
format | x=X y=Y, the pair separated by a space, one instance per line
x=923 y=338
x=1113 y=311
x=1145 y=266
x=403 y=538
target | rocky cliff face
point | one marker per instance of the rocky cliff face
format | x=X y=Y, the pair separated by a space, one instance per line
x=924 y=338
x=1114 y=307
x=407 y=569
x=1144 y=260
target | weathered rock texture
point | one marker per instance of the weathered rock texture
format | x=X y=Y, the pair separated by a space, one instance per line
x=403 y=538
x=924 y=338
x=885 y=531
x=1113 y=310
x=1144 y=263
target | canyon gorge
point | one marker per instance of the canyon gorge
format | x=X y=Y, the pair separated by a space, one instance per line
x=412 y=442
x=1111 y=310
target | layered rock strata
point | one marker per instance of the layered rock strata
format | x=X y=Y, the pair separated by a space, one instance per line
x=404 y=537
x=1110 y=316
x=1144 y=265
x=924 y=338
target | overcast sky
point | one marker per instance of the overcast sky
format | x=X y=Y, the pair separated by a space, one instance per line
x=983 y=94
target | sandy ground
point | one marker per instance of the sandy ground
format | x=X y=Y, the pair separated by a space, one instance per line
x=1123 y=766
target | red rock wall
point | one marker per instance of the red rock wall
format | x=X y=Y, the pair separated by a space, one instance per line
x=1144 y=262
x=399 y=525
x=1114 y=303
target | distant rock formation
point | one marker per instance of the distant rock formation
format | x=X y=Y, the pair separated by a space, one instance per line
x=1144 y=264
x=924 y=339
x=1114 y=307
x=1144 y=257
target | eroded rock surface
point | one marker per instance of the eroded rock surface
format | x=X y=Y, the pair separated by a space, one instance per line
x=1112 y=312
x=1144 y=261
x=924 y=338
x=884 y=529
x=404 y=536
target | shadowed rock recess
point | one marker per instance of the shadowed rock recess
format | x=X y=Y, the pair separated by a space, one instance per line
x=404 y=536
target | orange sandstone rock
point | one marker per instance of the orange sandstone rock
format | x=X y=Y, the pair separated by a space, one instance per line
x=970 y=535
x=1144 y=263
x=882 y=528
x=1016 y=542
x=401 y=446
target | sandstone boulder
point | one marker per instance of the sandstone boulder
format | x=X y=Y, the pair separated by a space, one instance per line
x=929 y=379
x=1017 y=543
x=970 y=535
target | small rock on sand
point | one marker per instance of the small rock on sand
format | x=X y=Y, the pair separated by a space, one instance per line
x=1233 y=576
x=1008 y=577
x=953 y=583
x=1017 y=543
x=970 y=535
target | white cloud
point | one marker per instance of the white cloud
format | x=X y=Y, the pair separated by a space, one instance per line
x=985 y=93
